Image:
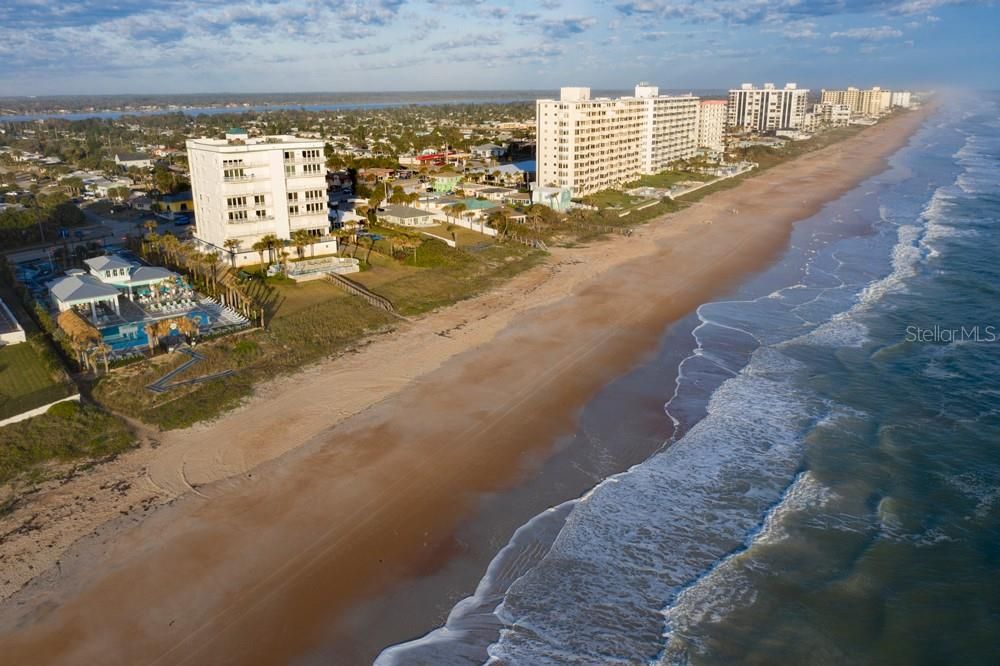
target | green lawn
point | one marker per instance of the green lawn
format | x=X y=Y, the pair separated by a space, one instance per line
x=667 y=179
x=26 y=381
x=447 y=275
x=312 y=320
x=610 y=199
x=309 y=321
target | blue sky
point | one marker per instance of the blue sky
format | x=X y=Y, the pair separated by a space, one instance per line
x=172 y=46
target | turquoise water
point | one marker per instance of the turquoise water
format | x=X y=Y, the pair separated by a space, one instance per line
x=832 y=492
x=133 y=336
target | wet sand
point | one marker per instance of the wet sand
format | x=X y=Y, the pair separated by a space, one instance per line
x=257 y=568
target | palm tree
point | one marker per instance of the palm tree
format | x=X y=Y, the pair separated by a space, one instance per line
x=152 y=242
x=271 y=242
x=300 y=239
x=500 y=220
x=233 y=245
x=170 y=245
x=210 y=260
x=260 y=247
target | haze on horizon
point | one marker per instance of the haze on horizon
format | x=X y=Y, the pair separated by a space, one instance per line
x=182 y=46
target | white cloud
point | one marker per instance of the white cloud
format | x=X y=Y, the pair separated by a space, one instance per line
x=868 y=34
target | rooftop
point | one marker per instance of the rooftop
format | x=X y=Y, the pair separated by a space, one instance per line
x=404 y=212
x=253 y=144
x=107 y=263
x=131 y=157
x=80 y=286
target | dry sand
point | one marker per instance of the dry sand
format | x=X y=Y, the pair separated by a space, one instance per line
x=332 y=484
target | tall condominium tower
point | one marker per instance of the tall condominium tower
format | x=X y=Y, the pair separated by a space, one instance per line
x=768 y=108
x=590 y=144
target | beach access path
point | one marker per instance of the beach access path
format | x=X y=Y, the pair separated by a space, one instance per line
x=242 y=540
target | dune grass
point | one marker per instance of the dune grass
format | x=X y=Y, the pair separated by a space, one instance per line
x=67 y=432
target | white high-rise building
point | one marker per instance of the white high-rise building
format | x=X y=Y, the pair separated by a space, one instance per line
x=247 y=188
x=591 y=144
x=767 y=109
x=832 y=115
x=712 y=124
x=901 y=98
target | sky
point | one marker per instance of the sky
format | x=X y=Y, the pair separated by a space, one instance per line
x=183 y=46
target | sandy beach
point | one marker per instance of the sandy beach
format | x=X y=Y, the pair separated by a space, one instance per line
x=245 y=540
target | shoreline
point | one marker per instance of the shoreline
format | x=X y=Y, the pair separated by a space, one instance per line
x=519 y=389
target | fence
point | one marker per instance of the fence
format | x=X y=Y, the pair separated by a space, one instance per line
x=35 y=403
x=352 y=287
x=479 y=227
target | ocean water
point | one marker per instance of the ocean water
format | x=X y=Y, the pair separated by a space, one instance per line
x=831 y=494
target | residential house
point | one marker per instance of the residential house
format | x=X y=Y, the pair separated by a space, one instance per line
x=137 y=160
x=488 y=151
x=556 y=198
x=11 y=331
x=178 y=202
x=445 y=182
x=407 y=216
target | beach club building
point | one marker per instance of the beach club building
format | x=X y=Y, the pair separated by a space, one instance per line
x=120 y=298
x=110 y=276
x=247 y=188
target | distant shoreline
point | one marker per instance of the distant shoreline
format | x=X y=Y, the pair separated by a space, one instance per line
x=79 y=107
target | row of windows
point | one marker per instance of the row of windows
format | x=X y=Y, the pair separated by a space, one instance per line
x=307 y=169
x=243 y=216
x=309 y=195
x=307 y=209
x=306 y=154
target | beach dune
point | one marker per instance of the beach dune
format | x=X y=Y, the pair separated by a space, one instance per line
x=334 y=485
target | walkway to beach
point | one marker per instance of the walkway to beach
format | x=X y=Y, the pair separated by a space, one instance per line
x=163 y=384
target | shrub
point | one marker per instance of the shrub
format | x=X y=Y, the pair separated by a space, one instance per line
x=64 y=410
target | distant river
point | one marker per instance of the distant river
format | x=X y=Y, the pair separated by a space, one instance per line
x=220 y=110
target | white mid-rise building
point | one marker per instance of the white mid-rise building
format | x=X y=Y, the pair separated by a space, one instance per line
x=872 y=102
x=832 y=115
x=591 y=144
x=712 y=125
x=767 y=109
x=247 y=188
